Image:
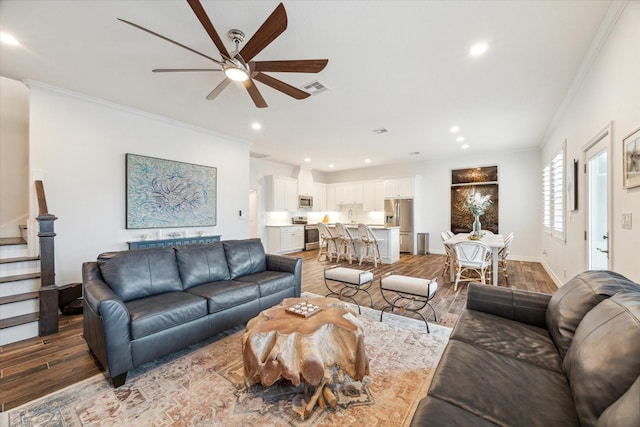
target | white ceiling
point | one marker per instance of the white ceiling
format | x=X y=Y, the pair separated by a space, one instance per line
x=400 y=65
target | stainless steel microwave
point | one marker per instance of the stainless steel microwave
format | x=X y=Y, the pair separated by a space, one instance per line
x=305 y=201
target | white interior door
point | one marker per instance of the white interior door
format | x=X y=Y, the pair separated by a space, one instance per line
x=253 y=214
x=598 y=202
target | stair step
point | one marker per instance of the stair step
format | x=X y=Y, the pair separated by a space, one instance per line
x=18 y=320
x=19 y=259
x=9 y=241
x=18 y=297
x=18 y=277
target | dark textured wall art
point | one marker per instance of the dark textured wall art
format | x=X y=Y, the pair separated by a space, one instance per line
x=165 y=193
x=483 y=180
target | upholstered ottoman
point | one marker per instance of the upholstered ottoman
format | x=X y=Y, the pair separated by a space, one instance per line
x=408 y=293
x=347 y=282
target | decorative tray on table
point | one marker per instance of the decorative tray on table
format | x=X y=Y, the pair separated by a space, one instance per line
x=304 y=309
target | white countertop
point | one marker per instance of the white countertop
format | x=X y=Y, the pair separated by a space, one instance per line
x=373 y=227
x=285 y=225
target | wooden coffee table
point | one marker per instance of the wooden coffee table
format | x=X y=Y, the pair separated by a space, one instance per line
x=278 y=345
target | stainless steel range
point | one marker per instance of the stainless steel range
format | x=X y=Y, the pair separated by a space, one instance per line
x=311 y=233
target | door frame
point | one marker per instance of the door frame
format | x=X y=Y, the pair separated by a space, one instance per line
x=605 y=133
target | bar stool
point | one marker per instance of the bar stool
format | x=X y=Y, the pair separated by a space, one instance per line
x=346 y=243
x=369 y=250
x=328 y=243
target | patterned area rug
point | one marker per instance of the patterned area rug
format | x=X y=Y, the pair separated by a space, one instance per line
x=203 y=385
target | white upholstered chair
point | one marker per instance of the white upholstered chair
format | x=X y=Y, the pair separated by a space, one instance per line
x=471 y=257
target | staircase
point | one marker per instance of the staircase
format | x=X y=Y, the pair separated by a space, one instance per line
x=19 y=296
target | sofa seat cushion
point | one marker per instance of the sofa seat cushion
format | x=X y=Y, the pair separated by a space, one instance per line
x=432 y=411
x=574 y=299
x=226 y=294
x=159 y=312
x=513 y=339
x=270 y=282
x=501 y=389
x=200 y=264
x=140 y=273
x=245 y=257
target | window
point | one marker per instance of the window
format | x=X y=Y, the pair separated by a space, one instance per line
x=553 y=196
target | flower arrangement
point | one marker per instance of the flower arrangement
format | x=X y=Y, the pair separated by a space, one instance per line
x=477 y=203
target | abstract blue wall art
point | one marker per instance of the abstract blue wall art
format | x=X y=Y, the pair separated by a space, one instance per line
x=164 y=193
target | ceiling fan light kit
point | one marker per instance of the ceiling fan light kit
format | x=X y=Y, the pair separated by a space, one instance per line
x=235 y=65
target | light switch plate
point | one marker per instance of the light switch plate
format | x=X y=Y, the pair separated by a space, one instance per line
x=626 y=220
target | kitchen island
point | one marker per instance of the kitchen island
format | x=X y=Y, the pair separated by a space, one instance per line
x=388 y=240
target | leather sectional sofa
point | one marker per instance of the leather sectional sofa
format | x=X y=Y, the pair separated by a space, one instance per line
x=142 y=304
x=518 y=358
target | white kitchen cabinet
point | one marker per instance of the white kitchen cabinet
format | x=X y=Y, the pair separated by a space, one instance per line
x=305 y=187
x=319 y=197
x=282 y=194
x=285 y=239
x=399 y=188
x=349 y=193
x=331 y=198
x=373 y=196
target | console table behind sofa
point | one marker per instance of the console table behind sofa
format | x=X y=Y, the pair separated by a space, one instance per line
x=179 y=241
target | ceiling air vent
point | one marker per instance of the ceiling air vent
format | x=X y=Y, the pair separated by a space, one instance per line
x=380 y=131
x=314 y=88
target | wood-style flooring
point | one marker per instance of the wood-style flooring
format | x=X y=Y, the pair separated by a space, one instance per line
x=39 y=366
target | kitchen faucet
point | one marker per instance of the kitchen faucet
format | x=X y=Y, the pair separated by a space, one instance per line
x=349 y=215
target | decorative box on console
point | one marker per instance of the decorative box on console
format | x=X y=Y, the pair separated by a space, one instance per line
x=179 y=241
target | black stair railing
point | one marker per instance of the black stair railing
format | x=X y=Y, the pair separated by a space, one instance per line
x=48 y=292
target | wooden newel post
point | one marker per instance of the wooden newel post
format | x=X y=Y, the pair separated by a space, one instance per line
x=48 y=292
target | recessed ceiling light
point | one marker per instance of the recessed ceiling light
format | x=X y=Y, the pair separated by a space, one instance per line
x=256 y=126
x=306 y=159
x=460 y=138
x=380 y=131
x=464 y=146
x=454 y=129
x=367 y=160
x=7 y=38
x=478 y=49
x=414 y=153
x=331 y=166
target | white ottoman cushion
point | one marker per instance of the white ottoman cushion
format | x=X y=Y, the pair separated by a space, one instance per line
x=348 y=275
x=410 y=285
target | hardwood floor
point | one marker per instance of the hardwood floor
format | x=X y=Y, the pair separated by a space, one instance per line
x=39 y=366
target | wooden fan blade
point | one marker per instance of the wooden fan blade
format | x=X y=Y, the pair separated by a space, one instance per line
x=169 y=40
x=299 y=66
x=208 y=26
x=283 y=87
x=254 y=93
x=180 y=70
x=215 y=92
x=275 y=24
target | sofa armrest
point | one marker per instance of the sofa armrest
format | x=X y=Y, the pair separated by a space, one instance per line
x=519 y=305
x=287 y=264
x=106 y=322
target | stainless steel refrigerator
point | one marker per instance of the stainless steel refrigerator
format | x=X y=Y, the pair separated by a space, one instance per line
x=399 y=213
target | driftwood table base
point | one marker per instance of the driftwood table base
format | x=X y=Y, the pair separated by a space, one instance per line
x=281 y=345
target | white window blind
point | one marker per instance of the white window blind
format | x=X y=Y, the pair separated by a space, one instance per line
x=553 y=196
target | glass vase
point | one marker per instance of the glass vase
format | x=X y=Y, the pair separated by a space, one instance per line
x=477 y=228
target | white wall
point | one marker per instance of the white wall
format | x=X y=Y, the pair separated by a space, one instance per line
x=79 y=145
x=518 y=191
x=14 y=156
x=610 y=91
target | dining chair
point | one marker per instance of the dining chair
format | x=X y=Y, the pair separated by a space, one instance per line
x=328 y=243
x=471 y=256
x=503 y=253
x=346 y=243
x=448 y=262
x=369 y=249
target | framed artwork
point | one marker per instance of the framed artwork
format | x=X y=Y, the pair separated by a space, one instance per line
x=164 y=193
x=631 y=159
x=572 y=186
x=471 y=175
x=461 y=217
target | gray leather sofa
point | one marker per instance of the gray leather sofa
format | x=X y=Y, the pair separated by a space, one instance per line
x=142 y=304
x=518 y=358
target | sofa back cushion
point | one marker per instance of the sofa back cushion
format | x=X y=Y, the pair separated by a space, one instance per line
x=200 y=264
x=574 y=299
x=140 y=273
x=245 y=257
x=603 y=360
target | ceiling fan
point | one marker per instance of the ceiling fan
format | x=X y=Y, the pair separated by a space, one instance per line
x=238 y=65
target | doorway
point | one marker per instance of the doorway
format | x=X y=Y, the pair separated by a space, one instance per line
x=598 y=200
x=253 y=213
